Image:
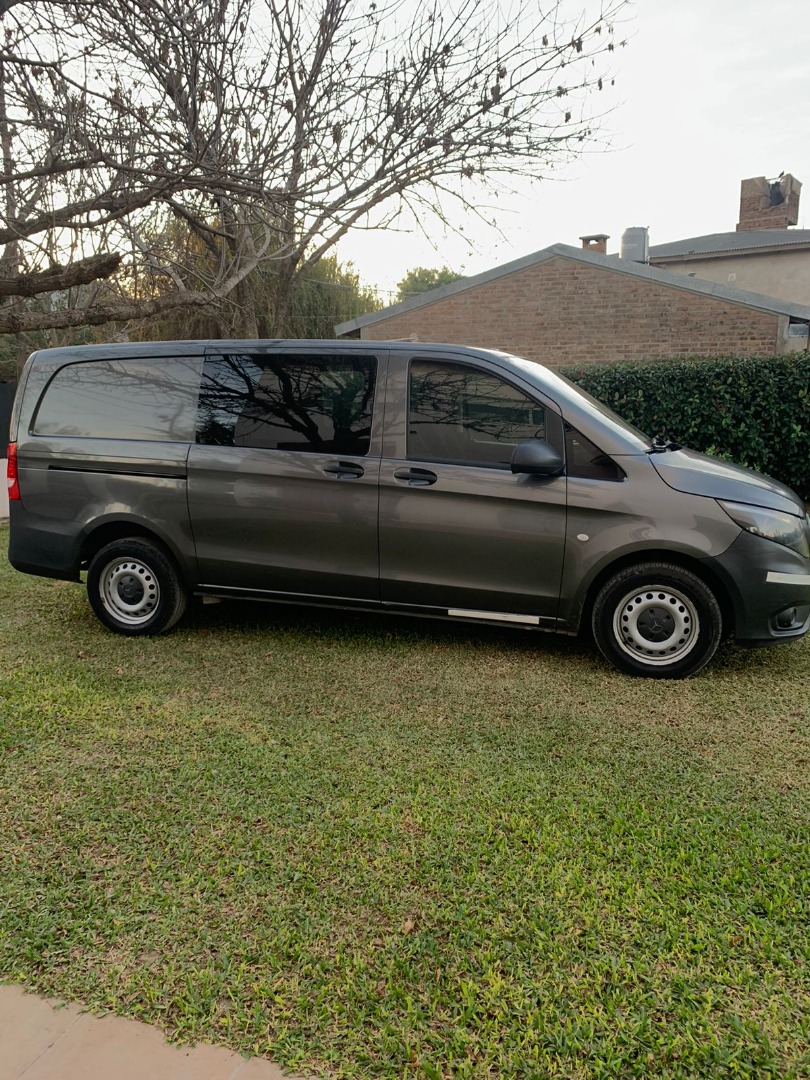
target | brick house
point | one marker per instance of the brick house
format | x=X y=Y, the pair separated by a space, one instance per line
x=564 y=305
x=764 y=254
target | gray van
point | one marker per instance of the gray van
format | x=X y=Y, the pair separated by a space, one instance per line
x=409 y=478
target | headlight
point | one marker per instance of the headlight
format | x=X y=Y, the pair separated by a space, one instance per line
x=770 y=524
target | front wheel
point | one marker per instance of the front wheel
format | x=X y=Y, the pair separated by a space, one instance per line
x=134 y=588
x=657 y=620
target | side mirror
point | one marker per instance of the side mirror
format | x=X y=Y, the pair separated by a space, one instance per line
x=538 y=458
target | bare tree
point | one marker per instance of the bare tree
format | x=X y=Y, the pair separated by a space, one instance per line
x=165 y=150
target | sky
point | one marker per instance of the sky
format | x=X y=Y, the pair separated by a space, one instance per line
x=708 y=93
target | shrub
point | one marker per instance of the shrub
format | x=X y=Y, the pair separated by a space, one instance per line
x=754 y=410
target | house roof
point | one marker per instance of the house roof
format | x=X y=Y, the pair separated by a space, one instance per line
x=799 y=312
x=732 y=243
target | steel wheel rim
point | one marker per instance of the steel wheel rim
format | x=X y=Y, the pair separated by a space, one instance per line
x=129 y=591
x=656 y=625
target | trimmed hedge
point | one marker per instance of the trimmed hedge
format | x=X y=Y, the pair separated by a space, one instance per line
x=754 y=411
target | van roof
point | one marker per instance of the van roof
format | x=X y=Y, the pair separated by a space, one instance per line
x=109 y=350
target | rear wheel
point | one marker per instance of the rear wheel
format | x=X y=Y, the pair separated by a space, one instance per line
x=657 y=620
x=134 y=588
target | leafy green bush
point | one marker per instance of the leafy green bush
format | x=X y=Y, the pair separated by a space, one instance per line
x=753 y=410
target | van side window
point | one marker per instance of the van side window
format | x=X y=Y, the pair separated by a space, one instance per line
x=313 y=403
x=583 y=458
x=154 y=400
x=462 y=414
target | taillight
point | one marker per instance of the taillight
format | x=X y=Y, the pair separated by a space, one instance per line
x=11 y=473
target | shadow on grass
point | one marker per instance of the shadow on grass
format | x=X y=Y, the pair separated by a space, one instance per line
x=335 y=625
x=368 y=627
x=380 y=630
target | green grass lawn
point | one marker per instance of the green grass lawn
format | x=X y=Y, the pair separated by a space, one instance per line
x=370 y=847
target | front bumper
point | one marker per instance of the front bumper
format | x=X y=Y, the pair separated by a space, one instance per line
x=769 y=588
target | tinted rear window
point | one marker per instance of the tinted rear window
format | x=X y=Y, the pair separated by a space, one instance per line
x=153 y=400
x=312 y=403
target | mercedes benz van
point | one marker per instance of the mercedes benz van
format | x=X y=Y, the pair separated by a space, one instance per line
x=411 y=478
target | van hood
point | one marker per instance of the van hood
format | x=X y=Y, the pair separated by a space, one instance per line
x=699 y=474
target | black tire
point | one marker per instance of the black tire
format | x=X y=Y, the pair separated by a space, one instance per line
x=134 y=587
x=657 y=620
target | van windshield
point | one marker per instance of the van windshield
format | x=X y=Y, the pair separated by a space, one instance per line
x=568 y=392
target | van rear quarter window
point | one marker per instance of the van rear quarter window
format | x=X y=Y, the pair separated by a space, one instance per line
x=313 y=403
x=154 y=400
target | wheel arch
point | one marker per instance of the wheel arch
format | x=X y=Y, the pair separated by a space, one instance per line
x=106 y=532
x=698 y=567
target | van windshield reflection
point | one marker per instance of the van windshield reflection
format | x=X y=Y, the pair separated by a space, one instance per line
x=569 y=392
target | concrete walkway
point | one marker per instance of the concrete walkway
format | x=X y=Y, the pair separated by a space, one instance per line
x=41 y=1041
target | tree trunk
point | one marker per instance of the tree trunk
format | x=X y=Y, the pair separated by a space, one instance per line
x=282 y=297
x=10 y=259
x=244 y=321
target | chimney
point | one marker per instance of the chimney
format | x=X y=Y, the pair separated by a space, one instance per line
x=769 y=204
x=596 y=242
x=635 y=246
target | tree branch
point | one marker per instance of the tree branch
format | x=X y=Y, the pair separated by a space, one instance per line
x=61 y=277
x=18 y=322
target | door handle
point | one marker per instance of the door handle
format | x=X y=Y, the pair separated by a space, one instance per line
x=416 y=477
x=344 y=470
